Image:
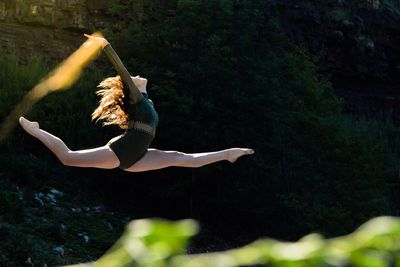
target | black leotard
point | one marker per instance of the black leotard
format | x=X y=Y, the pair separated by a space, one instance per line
x=132 y=145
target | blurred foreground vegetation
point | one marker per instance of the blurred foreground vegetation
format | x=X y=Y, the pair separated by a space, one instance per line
x=160 y=243
x=221 y=74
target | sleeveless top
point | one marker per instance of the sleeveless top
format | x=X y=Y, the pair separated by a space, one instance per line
x=132 y=145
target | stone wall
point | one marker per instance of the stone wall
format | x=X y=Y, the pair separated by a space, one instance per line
x=53 y=28
x=354 y=40
x=357 y=47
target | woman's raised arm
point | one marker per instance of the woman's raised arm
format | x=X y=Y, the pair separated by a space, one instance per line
x=129 y=86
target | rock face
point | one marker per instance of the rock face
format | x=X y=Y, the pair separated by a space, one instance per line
x=50 y=27
x=356 y=41
x=357 y=45
x=353 y=39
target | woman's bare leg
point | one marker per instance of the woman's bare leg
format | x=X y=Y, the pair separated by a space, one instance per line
x=157 y=159
x=101 y=157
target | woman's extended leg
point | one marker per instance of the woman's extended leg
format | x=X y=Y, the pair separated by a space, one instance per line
x=101 y=157
x=157 y=159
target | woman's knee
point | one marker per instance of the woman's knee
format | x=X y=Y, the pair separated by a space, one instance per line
x=166 y=158
x=180 y=158
x=156 y=159
x=174 y=156
x=68 y=158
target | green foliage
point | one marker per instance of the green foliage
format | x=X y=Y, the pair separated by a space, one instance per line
x=66 y=113
x=29 y=229
x=382 y=131
x=17 y=79
x=149 y=243
x=340 y=14
x=392 y=4
x=374 y=244
x=363 y=40
x=222 y=74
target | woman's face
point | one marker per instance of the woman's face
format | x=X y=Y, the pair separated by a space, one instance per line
x=139 y=82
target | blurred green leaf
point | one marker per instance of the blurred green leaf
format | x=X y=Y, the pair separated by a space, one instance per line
x=159 y=243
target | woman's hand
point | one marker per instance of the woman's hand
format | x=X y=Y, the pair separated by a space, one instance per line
x=99 y=40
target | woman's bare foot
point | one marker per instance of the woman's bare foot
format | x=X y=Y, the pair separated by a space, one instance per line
x=30 y=126
x=235 y=153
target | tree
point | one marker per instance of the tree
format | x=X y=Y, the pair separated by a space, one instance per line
x=223 y=74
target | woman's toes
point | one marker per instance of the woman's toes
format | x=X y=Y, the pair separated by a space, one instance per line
x=29 y=126
x=249 y=151
x=235 y=153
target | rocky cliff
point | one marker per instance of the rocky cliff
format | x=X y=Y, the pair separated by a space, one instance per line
x=353 y=39
x=357 y=46
x=51 y=27
x=356 y=41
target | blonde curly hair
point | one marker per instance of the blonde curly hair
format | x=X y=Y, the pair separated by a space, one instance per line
x=111 y=109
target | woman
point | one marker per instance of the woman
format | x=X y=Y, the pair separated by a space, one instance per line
x=125 y=103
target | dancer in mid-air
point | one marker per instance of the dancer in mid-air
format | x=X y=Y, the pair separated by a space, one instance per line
x=124 y=102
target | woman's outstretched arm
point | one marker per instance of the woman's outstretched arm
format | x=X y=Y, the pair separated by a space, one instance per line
x=132 y=91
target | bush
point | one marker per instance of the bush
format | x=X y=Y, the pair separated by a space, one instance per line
x=223 y=75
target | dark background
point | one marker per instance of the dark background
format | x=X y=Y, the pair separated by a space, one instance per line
x=311 y=87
